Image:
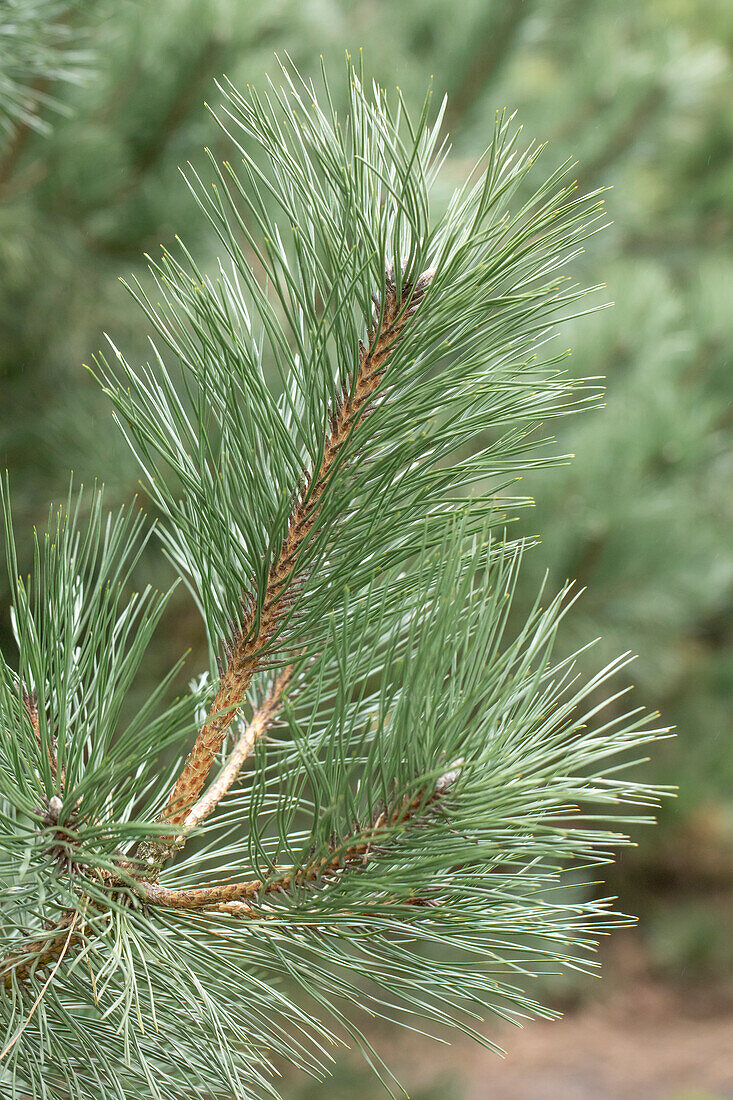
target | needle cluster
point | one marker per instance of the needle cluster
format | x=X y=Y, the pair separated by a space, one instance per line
x=371 y=795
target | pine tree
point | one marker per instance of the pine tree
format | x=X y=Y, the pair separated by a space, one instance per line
x=641 y=95
x=386 y=784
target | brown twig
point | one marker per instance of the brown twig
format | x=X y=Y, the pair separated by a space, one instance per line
x=260 y=624
x=151 y=854
x=41 y=952
x=240 y=898
x=262 y=719
x=64 y=948
x=262 y=621
x=30 y=702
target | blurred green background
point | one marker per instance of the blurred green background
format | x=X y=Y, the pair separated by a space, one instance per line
x=99 y=104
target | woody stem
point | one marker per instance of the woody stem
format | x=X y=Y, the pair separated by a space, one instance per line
x=262 y=622
x=241 y=898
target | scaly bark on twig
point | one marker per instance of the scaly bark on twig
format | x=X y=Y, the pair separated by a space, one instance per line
x=262 y=622
x=186 y=805
x=243 y=898
x=262 y=719
x=41 y=952
x=30 y=702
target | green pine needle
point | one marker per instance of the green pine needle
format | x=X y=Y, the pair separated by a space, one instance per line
x=330 y=427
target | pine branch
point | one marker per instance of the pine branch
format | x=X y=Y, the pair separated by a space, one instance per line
x=333 y=488
x=233 y=899
x=18 y=139
x=262 y=621
x=30 y=702
x=68 y=940
x=355 y=852
x=258 y=725
x=44 y=951
x=39 y=50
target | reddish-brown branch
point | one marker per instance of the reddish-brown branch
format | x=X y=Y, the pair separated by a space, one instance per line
x=238 y=899
x=261 y=721
x=151 y=854
x=263 y=621
x=243 y=898
x=185 y=806
x=37 y=954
